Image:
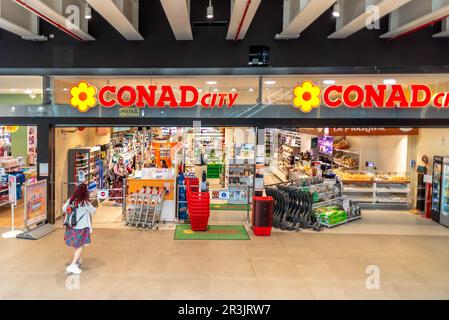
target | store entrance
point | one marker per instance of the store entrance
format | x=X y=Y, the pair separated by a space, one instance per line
x=119 y=163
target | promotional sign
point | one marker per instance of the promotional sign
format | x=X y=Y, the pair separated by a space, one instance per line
x=85 y=96
x=35 y=200
x=223 y=195
x=308 y=96
x=103 y=194
x=361 y=131
x=12 y=189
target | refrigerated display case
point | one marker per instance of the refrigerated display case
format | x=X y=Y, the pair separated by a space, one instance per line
x=444 y=215
x=436 y=188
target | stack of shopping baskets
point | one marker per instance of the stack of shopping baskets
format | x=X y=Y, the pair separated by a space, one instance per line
x=198 y=205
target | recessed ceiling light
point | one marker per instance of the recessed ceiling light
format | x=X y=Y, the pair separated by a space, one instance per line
x=233 y=90
x=211 y=82
x=251 y=90
x=13 y=90
x=336 y=10
x=65 y=89
x=88 y=12
x=329 y=82
x=210 y=11
x=215 y=90
x=389 y=81
x=270 y=82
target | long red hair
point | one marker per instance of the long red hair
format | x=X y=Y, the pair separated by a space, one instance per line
x=80 y=195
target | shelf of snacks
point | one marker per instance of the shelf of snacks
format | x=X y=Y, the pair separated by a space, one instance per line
x=348 y=159
x=378 y=189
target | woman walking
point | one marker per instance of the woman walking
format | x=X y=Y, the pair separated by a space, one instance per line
x=78 y=222
x=120 y=171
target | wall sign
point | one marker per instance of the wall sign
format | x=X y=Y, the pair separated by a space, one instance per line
x=308 y=96
x=12 y=189
x=85 y=96
x=337 y=132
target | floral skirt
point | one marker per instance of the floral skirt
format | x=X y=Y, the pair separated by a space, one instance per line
x=77 y=237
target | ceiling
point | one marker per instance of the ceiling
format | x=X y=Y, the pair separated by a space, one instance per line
x=404 y=17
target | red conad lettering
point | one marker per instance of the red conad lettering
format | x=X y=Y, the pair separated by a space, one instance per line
x=397 y=95
x=204 y=103
x=416 y=90
x=121 y=96
x=145 y=97
x=101 y=96
x=167 y=96
x=326 y=97
x=347 y=96
x=436 y=100
x=184 y=102
x=373 y=96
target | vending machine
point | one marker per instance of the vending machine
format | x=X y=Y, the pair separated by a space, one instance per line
x=436 y=188
x=444 y=213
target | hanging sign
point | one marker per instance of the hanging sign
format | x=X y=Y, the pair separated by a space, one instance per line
x=336 y=132
x=308 y=96
x=85 y=96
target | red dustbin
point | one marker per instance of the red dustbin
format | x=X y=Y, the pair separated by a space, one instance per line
x=262 y=215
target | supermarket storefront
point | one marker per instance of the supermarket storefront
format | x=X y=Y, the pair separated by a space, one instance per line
x=250 y=101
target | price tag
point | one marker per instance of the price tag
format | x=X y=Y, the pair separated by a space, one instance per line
x=346 y=205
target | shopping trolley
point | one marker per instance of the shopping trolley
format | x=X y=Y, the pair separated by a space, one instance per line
x=145 y=207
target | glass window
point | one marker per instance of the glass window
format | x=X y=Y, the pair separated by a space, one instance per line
x=21 y=90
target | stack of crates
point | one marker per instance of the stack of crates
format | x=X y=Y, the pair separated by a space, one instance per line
x=198 y=205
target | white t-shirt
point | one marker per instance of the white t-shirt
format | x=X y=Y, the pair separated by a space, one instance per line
x=84 y=211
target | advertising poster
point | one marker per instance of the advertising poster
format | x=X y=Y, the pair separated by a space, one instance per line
x=36 y=202
x=12 y=189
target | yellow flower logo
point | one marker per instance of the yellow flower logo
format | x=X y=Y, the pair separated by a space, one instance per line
x=307 y=96
x=189 y=231
x=83 y=96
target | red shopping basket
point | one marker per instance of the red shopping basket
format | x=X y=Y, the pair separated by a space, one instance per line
x=198 y=205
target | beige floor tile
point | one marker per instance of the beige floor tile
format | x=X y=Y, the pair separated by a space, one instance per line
x=284 y=289
x=266 y=251
x=276 y=268
x=235 y=266
x=234 y=288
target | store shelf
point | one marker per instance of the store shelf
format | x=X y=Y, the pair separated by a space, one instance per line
x=341 y=223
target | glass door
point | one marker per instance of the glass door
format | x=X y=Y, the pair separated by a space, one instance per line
x=436 y=186
x=445 y=189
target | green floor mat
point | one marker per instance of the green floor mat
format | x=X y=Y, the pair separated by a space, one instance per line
x=230 y=207
x=214 y=232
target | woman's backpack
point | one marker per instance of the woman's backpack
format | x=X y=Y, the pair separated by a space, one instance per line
x=70 y=219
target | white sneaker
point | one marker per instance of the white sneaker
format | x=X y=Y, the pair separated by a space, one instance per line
x=73 y=268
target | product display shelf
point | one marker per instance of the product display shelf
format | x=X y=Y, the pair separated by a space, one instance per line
x=343 y=203
x=378 y=193
x=240 y=179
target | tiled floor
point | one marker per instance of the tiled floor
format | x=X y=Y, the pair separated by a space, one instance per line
x=133 y=264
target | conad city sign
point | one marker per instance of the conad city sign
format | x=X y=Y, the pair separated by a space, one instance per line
x=308 y=96
x=85 y=97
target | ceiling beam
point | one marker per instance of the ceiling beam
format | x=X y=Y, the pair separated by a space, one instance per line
x=300 y=14
x=444 y=30
x=355 y=15
x=178 y=14
x=123 y=15
x=17 y=20
x=54 y=13
x=242 y=14
x=416 y=15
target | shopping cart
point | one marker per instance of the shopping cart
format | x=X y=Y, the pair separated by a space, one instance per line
x=145 y=207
